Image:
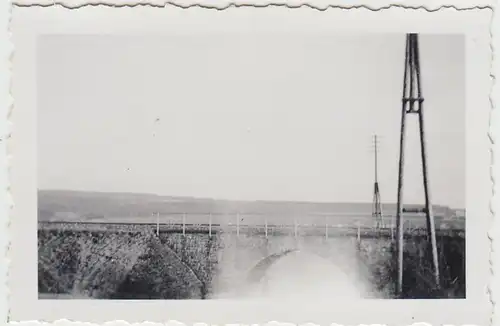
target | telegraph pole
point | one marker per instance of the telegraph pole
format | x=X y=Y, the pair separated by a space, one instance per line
x=377 y=206
x=412 y=103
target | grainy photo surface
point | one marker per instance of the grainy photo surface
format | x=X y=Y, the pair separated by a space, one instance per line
x=318 y=166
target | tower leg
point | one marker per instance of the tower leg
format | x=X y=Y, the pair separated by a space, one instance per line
x=399 y=212
x=431 y=231
x=399 y=216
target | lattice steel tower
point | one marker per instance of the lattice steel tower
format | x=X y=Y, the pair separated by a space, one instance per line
x=413 y=104
x=377 y=206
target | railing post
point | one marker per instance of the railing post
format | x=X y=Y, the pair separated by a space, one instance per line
x=157 y=223
x=266 y=225
x=184 y=224
x=238 y=224
x=210 y=225
x=326 y=227
x=392 y=228
x=359 y=234
x=295 y=226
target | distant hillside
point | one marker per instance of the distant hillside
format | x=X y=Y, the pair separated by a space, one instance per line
x=88 y=205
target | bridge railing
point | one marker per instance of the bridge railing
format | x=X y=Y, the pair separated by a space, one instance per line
x=268 y=224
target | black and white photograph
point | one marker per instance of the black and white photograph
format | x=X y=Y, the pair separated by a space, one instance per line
x=248 y=182
x=249 y=165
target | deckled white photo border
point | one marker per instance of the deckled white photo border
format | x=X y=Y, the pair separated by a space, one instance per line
x=428 y=5
x=455 y=313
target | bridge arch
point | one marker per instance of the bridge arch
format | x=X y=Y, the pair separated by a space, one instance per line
x=260 y=269
x=312 y=275
x=161 y=274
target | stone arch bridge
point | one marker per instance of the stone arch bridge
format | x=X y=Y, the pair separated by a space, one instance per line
x=120 y=260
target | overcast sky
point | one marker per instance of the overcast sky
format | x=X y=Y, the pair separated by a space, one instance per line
x=272 y=117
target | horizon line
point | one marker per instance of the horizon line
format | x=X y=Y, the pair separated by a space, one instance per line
x=239 y=200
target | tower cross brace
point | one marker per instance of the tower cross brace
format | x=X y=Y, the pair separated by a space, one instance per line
x=412 y=103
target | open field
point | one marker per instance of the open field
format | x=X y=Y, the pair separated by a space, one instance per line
x=76 y=206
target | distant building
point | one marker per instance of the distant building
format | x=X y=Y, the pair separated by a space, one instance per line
x=459 y=213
